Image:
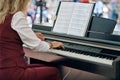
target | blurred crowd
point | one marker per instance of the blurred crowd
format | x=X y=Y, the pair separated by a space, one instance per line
x=103 y=8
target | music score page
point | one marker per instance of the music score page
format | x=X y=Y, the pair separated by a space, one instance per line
x=73 y=18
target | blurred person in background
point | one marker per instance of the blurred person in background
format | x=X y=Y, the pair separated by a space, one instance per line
x=75 y=0
x=41 y=9
x=31 y=10
x=84 y=1
x=117 y=10
x=98 y=10
x=52 y=6
x=112 y=14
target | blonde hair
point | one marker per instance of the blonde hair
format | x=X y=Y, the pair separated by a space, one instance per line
x=11 y=7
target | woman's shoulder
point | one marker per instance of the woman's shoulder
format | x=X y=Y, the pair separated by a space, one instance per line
x=19 y=14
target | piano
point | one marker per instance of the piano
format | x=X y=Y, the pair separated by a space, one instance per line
x=95 y=55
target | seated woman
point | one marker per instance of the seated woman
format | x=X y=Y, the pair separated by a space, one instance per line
x=14 y=32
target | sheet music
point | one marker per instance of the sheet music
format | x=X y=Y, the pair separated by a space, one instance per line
x=73 y=18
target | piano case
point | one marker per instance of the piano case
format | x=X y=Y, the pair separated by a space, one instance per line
x=102 y=28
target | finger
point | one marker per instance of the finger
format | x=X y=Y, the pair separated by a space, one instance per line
x=62 y=46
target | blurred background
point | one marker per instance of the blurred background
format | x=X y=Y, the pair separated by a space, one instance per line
x=44 y=11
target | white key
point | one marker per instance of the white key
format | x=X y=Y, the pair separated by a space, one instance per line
x=81 y=56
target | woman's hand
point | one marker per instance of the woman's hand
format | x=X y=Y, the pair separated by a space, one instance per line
x=56 y=44
x=40 y=36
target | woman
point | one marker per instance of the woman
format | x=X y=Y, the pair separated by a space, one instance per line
x=14 y=31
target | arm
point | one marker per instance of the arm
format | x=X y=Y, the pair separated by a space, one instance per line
x=20 y=25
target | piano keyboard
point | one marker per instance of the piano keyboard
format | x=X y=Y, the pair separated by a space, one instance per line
x=82 y=56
